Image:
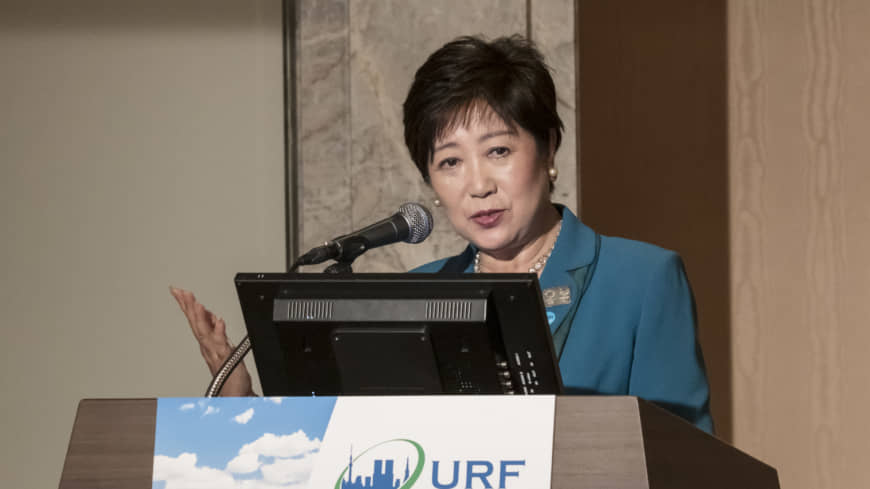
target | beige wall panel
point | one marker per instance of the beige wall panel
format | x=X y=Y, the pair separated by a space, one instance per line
x=799 y=116
x=140 y=146
x=552 y=28
x=748 y=94
x=854 y=335
x=323 y=115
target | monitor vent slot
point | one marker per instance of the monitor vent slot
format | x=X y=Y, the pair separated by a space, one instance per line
x=310 y=310
x=449 y=310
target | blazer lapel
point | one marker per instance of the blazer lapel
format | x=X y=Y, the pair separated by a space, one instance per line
x=567 y=267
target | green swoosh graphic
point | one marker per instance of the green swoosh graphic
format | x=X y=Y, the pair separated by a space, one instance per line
x=421 y=459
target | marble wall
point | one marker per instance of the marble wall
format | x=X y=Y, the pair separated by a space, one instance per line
x=356 y=60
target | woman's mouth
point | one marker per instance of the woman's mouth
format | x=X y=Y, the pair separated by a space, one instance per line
x=487 y=218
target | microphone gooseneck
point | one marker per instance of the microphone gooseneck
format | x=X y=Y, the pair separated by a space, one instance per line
x=217 y=382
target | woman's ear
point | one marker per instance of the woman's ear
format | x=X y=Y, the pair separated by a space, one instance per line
x=435 y=199
x=551 y=154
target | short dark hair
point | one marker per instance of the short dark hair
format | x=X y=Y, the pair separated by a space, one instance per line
x=508 y=74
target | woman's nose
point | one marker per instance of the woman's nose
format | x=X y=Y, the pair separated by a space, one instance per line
x=481 y=183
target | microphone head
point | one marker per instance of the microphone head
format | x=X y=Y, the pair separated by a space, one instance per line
x=419 y=220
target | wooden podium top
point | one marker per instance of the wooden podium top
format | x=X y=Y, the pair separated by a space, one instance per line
x=599 y=442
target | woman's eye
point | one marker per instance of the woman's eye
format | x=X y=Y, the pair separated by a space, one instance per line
x=448 y=163
x=499 y=152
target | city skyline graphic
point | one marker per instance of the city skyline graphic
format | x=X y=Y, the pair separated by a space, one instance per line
x=382 y=476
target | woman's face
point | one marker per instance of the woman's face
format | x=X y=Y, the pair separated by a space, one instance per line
x=492 y=182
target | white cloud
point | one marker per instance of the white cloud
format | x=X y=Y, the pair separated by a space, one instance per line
x=283 y=446
x=244 y=463
x=182 y=473
x=211 y=410
x=187 y=407
x=276 y=400
x=284 y=469
x=288 y=470
x=259 y=484
x=244 y=417
x=293 y=461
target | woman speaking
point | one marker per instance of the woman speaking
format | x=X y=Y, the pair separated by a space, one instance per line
x=481 y=126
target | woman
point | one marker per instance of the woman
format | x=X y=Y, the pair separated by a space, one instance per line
x=482 y=128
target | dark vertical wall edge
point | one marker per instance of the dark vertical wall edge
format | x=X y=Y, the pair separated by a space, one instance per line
x=291 y=153
x=653 y=148
x=529 y=32
x=577 y=104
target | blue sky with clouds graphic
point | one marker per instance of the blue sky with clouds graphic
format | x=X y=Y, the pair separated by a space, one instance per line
x=248 y=443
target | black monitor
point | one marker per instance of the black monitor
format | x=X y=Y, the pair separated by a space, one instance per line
x=395 y=334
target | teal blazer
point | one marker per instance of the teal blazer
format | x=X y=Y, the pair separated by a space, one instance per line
x=634 y=325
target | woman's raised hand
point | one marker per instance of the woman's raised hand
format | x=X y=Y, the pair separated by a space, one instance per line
x=211 y=333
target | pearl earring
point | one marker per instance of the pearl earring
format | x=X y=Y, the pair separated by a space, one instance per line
x=554 y=173
x=436 y=202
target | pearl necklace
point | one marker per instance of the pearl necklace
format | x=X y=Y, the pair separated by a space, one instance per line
x=538 y=265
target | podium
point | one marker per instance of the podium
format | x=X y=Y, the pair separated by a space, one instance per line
x=600 y=442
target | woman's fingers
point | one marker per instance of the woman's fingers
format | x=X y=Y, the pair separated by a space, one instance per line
x=220 y=328
x=177 y=295
x=209 y=330
x=199 y=320
x=186 y=302
x=185 y=306
x=198 y=317
x=211 y=334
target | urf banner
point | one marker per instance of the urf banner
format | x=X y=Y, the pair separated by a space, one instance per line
x=438 y=442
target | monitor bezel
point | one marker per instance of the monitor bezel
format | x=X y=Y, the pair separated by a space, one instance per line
x=520 y=294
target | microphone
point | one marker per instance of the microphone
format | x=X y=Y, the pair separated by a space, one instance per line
x=412 y=224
